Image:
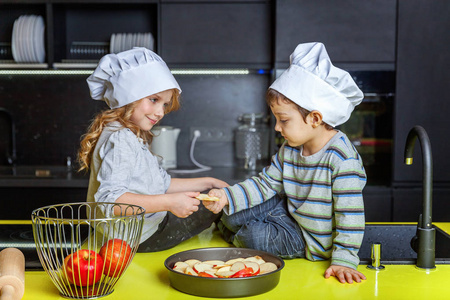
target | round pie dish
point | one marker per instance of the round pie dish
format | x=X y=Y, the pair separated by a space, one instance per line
x=223 y=287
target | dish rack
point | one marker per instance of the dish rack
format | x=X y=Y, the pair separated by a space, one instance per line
x=62 y=232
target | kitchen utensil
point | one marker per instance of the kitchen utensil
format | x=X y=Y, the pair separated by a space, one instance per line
x=164 y=144
x=252 y=140
x=223 y=287
x=64 y=229
x=12 y=274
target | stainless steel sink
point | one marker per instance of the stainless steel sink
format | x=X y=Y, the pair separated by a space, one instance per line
x=396 y=248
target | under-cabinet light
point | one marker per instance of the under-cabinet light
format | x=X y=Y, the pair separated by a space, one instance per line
x=174 y=71
x=45 y=72
x=210 y=71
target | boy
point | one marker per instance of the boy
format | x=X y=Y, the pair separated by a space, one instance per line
x=308 y=202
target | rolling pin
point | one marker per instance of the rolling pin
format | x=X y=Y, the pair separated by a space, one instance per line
x=12 y=274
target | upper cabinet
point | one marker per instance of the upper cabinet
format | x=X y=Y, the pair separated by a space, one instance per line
x=87 y=31
x=75 y=33
x=187 y=33
x=236 y=34
x=354 y=32
x=422 y=85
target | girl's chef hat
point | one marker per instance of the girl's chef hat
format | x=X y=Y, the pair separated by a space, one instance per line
x=128 y=76
x=312 y=82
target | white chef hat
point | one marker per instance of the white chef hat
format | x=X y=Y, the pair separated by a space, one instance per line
x=312 y=82
x=128 y=76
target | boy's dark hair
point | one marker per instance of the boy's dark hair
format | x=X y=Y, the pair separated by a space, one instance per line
x=275 y=96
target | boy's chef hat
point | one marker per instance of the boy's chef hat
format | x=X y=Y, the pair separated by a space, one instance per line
x=128 y=76
x=312 y=82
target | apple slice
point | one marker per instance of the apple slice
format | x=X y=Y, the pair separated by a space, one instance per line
x=237 y=266
x=201 y=267
x=215 y=263
x=253 y=265
x=224 y=272
x=190 y=271
x=245 y=272
x=267 y=267
x=232 y=261
x=180 y=266
x=256 y=259
x=192 y=262
x=207 y=273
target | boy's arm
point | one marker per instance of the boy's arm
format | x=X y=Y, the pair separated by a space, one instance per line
x=252 y=191
x=257 y=189
x=348 y=181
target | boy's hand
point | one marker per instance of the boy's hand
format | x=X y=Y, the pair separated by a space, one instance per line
x=216 y=206
x=344 y=274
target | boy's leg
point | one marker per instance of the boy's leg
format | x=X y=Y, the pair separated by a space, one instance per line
x=267 y=227
x=174 y=230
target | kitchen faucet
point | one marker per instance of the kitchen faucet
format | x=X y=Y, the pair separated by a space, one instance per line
x=12 y=154
x=424 y=241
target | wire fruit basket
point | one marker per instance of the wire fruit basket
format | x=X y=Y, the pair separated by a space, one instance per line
x=86 y=247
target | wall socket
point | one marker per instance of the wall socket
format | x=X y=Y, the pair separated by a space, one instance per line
x=213 y=134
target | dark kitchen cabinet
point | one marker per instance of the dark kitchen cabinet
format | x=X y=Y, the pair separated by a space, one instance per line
x=407 y=204
x=218 y=34
x=77 y=33
x=82 y=31
x=353 y=31
x=377 y=203
x=422 y=85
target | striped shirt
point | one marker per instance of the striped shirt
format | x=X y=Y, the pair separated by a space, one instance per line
x=324 y=194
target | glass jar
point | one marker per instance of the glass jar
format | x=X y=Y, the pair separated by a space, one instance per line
x=252 y=140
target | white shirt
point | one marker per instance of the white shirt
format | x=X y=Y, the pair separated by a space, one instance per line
x=122 y=163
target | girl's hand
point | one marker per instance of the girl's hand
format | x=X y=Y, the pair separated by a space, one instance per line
x=218 y=184
x=183 y=205
x=344 y=274
x=216 y=206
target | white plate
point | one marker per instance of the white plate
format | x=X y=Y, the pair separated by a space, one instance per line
x=118 y=42
x=20 y=40
x=30 y=38
x=40 y=38
x=122 y=42
x=23 y=38
x=14 y=39
x=111 y=43
x=128 y=41
x=139 y=40
x=34 y=32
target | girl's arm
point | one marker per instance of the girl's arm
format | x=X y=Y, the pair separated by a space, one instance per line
x=194 y=184
x=180 y=204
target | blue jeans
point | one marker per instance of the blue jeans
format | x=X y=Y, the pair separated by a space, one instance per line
x=268 y=227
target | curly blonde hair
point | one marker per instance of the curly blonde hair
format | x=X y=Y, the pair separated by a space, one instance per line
x=121 y=115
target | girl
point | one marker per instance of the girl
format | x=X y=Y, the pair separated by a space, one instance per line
x=139 y=88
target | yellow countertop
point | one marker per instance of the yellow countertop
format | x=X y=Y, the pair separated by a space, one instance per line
x=147 y=278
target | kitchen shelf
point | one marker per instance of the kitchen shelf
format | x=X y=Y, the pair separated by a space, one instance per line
x=76 y=30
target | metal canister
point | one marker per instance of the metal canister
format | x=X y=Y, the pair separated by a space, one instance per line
x=252 y=140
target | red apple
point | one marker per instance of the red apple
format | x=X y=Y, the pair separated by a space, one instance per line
x=83 y=268
x=116 y=253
